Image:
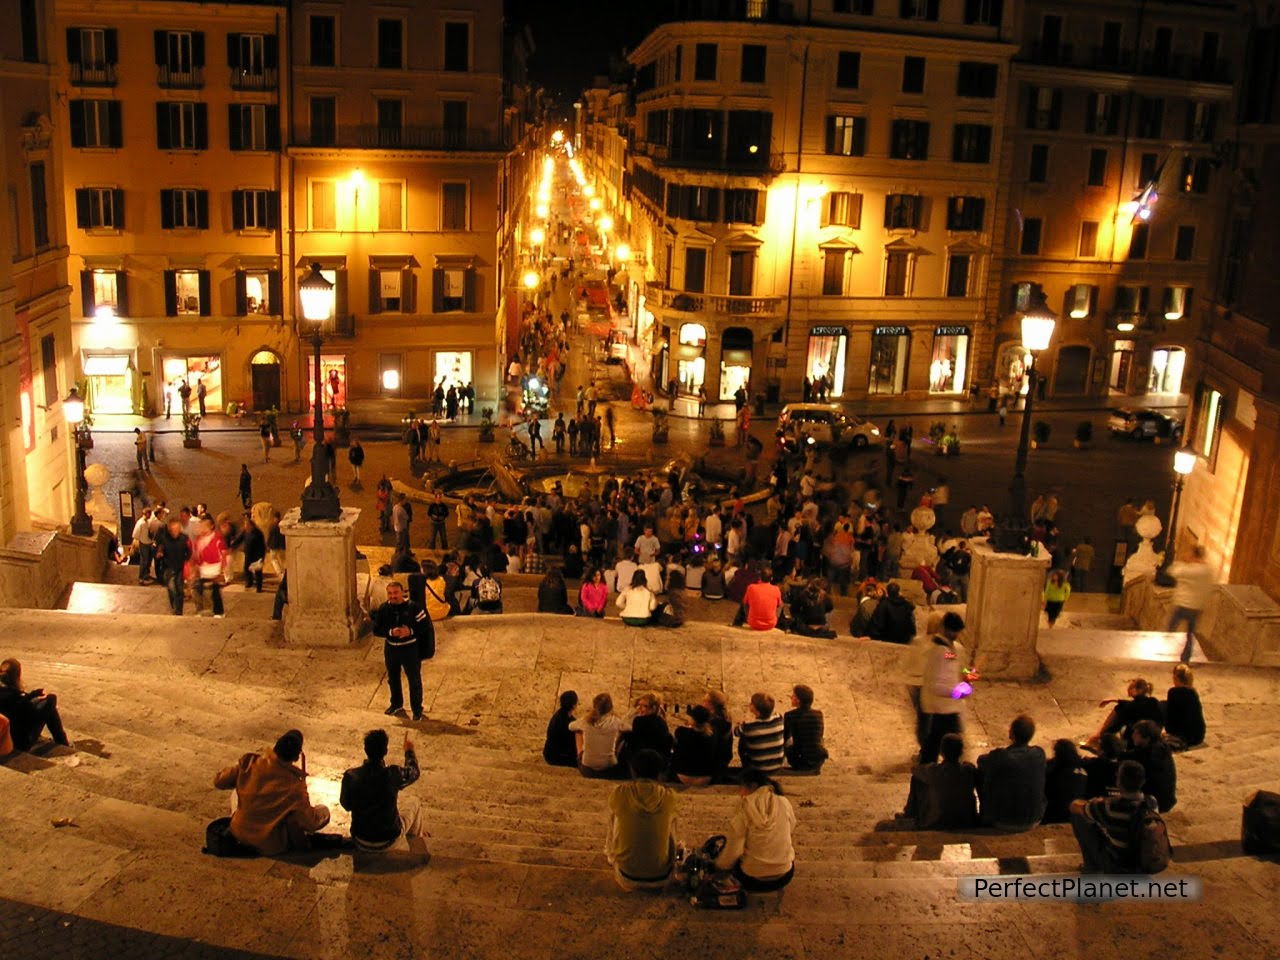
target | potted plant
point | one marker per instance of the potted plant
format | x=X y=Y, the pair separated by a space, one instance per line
x=661 y=426
x=486 y=425
x=1084 y=434
x=1040 y=430
x=717 y=432
x=191 y=430
x=342 y=427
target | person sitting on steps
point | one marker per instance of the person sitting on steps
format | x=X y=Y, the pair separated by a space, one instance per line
x=802 y=732
x=641 y=844
x=598 y=742
x=29 y=712
x=759 y=850
x=380 y=816
x=943 y=794
x=1183 y=715
x=1011 y=780
x=560 y=749
x=637 y=601
x=274 y=813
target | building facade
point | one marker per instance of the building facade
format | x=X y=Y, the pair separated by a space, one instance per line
x=36 y=369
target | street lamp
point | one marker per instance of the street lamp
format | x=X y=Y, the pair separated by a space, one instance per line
x=1038 y=322
x=73 y=411
x=320 y=498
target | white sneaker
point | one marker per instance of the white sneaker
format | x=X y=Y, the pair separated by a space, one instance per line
x=217 y=616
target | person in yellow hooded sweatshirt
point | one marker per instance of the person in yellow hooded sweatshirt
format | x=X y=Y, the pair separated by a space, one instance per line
x=641 y=845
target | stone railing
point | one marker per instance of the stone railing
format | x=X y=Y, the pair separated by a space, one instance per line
x=685 y=302
x=1239 y=624
x=36 y=568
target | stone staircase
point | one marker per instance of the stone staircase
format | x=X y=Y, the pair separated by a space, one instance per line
x=157 y=705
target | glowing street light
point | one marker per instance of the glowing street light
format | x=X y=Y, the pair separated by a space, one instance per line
x=542 y=210
x=594 y=203
x=531 y=281
x=606 y=223
x=537 y=235
x=622 y=252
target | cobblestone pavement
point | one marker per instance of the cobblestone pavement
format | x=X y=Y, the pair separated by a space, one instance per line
x=33 y=933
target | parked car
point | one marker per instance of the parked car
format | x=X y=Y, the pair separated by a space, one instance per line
x=1143 y=424
x=827 y=424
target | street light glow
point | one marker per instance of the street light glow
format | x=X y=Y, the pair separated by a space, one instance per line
x=1184 y=462
x=622 y=252
x=73 y=408
x=606 y=223
x=542 y=211
x=531 y=280
x=317 y=296
x=537 y=235
x=594 y=203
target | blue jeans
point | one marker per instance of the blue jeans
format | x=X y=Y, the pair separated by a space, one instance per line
x=1190 y=617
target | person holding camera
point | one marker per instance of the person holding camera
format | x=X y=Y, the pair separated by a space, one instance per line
x=29 y=712
x=408 y=639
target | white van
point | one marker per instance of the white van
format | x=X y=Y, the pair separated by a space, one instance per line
x=828 y=424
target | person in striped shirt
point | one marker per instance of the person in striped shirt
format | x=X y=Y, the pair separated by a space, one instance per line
x=761 y=736
x=1104 y=825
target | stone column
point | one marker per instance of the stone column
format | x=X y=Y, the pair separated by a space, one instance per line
x=1003 y=615
x=320 y=557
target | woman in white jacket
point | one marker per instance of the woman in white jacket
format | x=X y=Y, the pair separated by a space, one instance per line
x=758 y=849
x=637 y=601
x=597 y=735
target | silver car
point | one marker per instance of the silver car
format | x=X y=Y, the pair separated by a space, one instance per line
x=827 y=424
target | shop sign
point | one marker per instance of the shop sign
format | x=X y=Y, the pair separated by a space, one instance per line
x=894 y=331
x=951 y=332
x=828 y=332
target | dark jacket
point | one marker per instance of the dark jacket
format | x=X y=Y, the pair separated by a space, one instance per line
x=894 y=620
x=724 y=742
x=695 y=753
x=1063 y=782
x=255 y=546
x=1162 y=777
x=1183 y=715
x=1129 y=712
x=172 y=553
x=552 y=599
x=561 y=746
x=648 y=732
x=713 y=585
x=407 y=614
x=369 y=791
x=1011 y=787
x=942 y=796
x=803 y=738
x=25 y=723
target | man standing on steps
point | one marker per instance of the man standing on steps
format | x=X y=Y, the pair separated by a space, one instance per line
x=143 y=545
x=438 y=514
x=401 y=518
x=408 y=639
x=943 y=690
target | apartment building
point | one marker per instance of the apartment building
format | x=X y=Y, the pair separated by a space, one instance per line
x=399 y=135
x=1119 y=121
x=815 y=197
x=1229 y=504
x=170 y=126
x=36 y=372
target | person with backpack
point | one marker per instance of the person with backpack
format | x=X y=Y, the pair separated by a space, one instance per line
x=486 y=592
x=1122 y=832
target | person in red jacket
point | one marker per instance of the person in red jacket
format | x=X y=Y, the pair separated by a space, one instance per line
x=209 y=562
x=762 y=603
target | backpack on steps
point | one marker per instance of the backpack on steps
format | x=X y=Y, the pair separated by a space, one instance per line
x=488 y=590
x=1260 y=824
x=1150 y=839
x=218 y=841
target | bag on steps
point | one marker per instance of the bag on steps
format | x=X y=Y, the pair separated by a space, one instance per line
x=218 y=841
x=1260 y=824
x=1151 y=839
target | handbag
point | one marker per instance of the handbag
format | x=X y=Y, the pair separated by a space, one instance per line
x=218 y=841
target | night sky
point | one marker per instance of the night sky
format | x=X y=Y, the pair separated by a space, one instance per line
x=575 y=38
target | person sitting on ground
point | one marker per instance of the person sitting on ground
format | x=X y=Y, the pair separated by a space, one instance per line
x=624 y=571
x=274 y=813
x=1140 y=706
x=943 y=794
x=1104 y=826
x=593 y=594
x=722 y=725
x=29 y=712
x=552 y=595
x=648 y=731
x=802 y=731
x=371 y=792
x=1157 y=763
x=868 y=598
x=486 y=592
x=600 y=729
x=641 y=845
x=713 y=587
x=738 y=580
x=1065 y=780
x=435 y=593
x=560 y=749
x=637 y=602
x=1011 y=780
x=809 y=611
x=694 y=758
x=758 y=846
x=761 y=736
x=761 y=603
x=894 y=620
x=670 y=611
x=1183 y=715
x=1101 y=768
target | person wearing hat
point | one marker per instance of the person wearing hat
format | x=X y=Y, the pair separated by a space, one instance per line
x=274 y=813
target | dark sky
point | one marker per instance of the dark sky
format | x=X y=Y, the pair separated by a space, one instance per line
x=575 y=38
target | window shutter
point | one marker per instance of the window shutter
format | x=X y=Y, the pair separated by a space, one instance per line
x=242 y=297
x=202 y=126
x=275 y=293
x=233 y=126
x=859 y=136
x=1055 y=110
x=237 y=210
x=233 y=51
x=273 y=210
x=469 y=290
x=164 y=139
x=206 y=294
x=86 y=292
x=82 y=208
x=117 y=208
x=824 y=218
x=888 y=210
x=273 y=127
x=270 y=52
x=202 y=209
x=197 y=49
x=170 y=293
x=112 y=44
x=933 y=9
x=408 y=291
x=77 y=123
x=73 y=44
x=1033 y=98
x=437 y=290
x=122 y=294
x=341 y=301
x=162 y=47
x=166 y=209
x=375 y=291
x=831 y=134
x=115 y=128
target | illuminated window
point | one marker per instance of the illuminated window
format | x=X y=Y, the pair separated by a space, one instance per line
x=1209 y=424
x=105 y=289
x=693 y=335
x=842 y=209
x=187 y=301
x=1080 y=301
x=1176 y=300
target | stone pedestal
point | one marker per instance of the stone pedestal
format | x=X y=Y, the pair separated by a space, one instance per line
x=323 y=609
x=1005 y=591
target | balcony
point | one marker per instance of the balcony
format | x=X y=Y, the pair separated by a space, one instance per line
x=171 y=79
x=1111 y=58
x=680 y=301
x=93 y=74
x=264 y=79
x=761 y=11
x=373 y=137
x=1059 y=54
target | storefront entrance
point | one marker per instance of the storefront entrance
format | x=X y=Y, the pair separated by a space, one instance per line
x=1121 y=365
x=264 y=374
x=889 y=349
x=1011 y=369
x=333 y=372
x=195 y=371
x=949 y=365
x=453 y=368
x=825 y=360
x=1167 y=364
x=110 y=377
x=736 y=345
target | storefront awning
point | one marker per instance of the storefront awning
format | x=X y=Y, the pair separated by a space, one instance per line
x=108 y=365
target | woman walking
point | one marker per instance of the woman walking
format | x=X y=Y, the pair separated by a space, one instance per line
x=1056 y=592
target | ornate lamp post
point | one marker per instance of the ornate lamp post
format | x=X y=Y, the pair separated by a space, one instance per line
x=1184 y=461
x=73 y=411
x=1038 y=322
x=320 y=498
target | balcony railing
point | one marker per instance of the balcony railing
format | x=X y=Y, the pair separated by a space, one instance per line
x=264 y=79
x=189 y=79
x=682 y=301
x=1062 y=53
x=373 y=137
x=93 y=74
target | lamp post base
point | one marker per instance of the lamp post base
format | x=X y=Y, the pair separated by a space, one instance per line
x=320 y=502
x=82 y=525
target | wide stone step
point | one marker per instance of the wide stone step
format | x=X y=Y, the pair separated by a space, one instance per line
x=131 y=599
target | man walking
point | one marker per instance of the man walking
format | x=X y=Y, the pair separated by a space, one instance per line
x=173 y=549
x=943 y=690
x=184 y=394
x=438 y=514
x=401 y=518
x=143 y=546
x=1194 y=584
x=408 y=638
x=140 y=449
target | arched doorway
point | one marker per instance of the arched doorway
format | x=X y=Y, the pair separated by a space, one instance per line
x=264 y=374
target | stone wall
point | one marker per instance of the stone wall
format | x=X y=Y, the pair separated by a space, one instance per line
x=1240 y=623
x=36 y=568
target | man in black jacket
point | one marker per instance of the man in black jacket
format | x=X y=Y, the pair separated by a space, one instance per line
x=408 y=639
x=803 y=731
x=1157 y=763
x=895 y=617
x=371 y=792
x=438 y=514
x=172 y=550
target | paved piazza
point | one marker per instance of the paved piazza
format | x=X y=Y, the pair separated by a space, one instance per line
x=157 y=706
